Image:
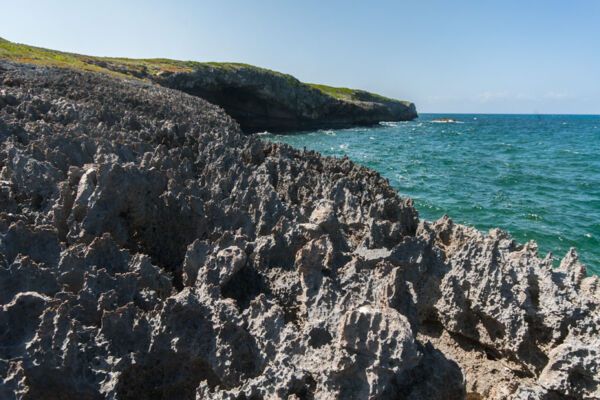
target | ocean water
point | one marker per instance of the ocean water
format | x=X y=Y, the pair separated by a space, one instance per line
x=534 y=176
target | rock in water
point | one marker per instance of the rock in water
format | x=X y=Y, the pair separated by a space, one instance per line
x=149 y=249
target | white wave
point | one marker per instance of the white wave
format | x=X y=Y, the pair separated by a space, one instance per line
x=446 y=121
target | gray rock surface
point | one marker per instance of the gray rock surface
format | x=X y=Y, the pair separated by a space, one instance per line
x=149 y=249
x=262 y=100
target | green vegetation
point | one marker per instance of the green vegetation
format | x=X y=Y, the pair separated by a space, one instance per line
x=229 y=66
x=338 y=93
x=144 y=68
x=29 y=54
x=342 y=93
x=115 y=66
x=126 y=66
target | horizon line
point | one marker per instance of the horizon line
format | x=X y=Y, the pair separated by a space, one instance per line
x=500 y=113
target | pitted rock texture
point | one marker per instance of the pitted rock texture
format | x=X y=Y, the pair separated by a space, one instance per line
x=149 y=249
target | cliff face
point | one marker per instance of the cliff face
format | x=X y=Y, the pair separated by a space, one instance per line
x=258 y=99
x=263 y=100
x=149 y=249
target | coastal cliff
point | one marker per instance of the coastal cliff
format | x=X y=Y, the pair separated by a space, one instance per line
x=258 y=99
x=261 y=100
x=149 y=249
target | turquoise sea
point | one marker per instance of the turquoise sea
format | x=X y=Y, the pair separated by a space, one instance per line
x=534 y=176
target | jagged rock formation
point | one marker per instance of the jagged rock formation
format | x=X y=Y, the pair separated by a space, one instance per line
x=261 y=100
x=149 y=249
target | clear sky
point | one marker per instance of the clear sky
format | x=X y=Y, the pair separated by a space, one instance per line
x=527 y=56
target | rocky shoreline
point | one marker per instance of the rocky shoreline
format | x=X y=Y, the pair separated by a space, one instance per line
x=149 y=249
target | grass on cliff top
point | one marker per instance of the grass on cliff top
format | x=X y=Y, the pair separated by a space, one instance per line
x=343 y=93
x=116 y=65
x=143 y=68
x=120 y=66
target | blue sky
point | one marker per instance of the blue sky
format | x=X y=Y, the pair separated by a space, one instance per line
x=525 y=56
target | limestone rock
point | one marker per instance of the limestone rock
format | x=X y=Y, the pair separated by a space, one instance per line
x=262 y=100
x=375 y=347
x=150 y=249
x=573 y=368
x=324 y=216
